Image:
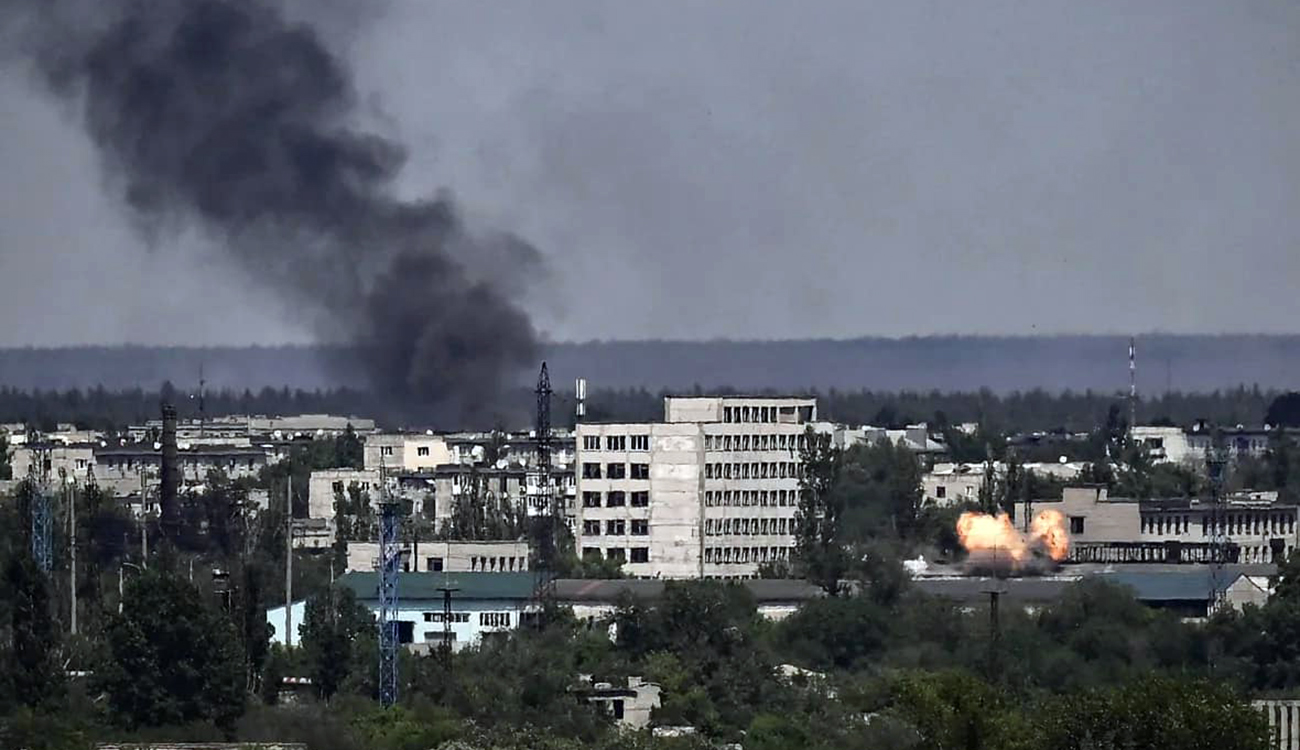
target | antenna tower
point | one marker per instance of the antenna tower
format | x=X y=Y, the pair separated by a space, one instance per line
x=1216 y=458
x=42 y=510
x=390 y=556
x=1132 y=384
x=548 y=509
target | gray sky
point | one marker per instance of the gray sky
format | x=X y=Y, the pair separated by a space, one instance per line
x=764 y=170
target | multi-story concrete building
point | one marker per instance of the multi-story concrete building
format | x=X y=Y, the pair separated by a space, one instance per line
x=396 y=452
x=325 y=484
x=711 y=491
x=1106 y=529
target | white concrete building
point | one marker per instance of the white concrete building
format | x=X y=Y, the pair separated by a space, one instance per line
x=396 y=452
x=1105 y=529
x=954 y=484
x=445 y=556
x=322 y=486
x=709 y=492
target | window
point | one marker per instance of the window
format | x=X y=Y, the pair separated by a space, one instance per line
x=616 y=528
x=615 y=500
x=386 y=450
x=727 y=414
x=591 y=471
x=591 y=442
x=591 y=528
x=616 y=471
x=591 y=553
x=494 y=619
x=640 y=527
x=615 y=554
x=591 y=499
x=640 y=554
x=423 y=450
x=640 y=471
x=616 y=442
x=338 y=488
x=433 y=564
x=1076 y=524
x=941 y=492
x=640 y=442
x=640 y=499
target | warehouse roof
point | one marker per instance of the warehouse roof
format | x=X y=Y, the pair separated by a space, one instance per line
x=428 y=585
x=602 y=590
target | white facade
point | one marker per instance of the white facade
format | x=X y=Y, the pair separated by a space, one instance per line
x=323 y=484
x=954 y=484
x=406 y=452
x=710 y=492
x=450 y=557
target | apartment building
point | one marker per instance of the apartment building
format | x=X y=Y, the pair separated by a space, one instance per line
x=711 y=491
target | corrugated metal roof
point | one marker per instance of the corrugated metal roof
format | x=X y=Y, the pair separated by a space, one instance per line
x=426 y=585
x=593 y=590
x=1191 y=585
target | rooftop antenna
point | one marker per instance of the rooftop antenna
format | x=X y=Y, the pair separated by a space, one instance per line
x=580 y=395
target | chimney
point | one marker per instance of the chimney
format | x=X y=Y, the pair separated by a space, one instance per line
x=170 y=474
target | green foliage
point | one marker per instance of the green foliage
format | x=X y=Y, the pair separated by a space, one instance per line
x=819 y=536
x=170 y=658
x=836 y=632
x=334 y=628
x=1155 y=713
x=32 y=675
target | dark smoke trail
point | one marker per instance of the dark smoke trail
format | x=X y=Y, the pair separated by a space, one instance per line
x=224 y=115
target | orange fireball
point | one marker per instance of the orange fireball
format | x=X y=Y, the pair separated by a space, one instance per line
x=998 y=536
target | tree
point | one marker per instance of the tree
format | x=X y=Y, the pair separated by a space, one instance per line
x=1155 y=713
x=32 y=670
x=331 y=627
x=6 y=457
x=254 y=630
x=170 y=657
x=1284 y=411
x=818 y=542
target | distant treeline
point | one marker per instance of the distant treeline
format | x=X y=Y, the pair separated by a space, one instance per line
x=1037 y=410
x=1166 y=363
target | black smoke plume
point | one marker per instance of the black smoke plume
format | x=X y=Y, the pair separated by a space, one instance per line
x=225 y=115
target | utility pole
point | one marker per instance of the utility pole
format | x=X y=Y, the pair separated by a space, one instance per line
x=72 y=549
x=144 y=520
x=288 y=562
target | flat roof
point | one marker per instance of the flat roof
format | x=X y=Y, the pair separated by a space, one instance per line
x=426 y=585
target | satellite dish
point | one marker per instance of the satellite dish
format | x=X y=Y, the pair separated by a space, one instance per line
x=1065 y=460
x=477 y=453
x=428 y=432
x=502 y=463
x=157 y=445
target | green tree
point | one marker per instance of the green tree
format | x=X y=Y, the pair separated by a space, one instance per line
x=1154 y=713
x=170 y=657
x=32 y=669
x=818 y=540
x=332 y=626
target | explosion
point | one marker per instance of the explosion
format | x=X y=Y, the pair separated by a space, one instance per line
x=994 y=541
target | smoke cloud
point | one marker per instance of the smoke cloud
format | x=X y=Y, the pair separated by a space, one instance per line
x=226 y=116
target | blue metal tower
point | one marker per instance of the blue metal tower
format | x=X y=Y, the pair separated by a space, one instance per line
x=42 y=528
x=390 y=555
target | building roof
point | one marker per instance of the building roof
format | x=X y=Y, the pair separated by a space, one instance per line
x=967 y=589
x=1191 y=585
x=147 y=449
x=426 y=585
x=610 y=590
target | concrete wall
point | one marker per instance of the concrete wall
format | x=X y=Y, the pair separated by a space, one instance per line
x=1283 y=722
x=321 y=486
x=454 y=557
x=75 y=460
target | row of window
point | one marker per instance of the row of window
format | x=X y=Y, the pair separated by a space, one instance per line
x=443 y=616
x=751 y=498
x=1232 y=524
x=493 y=564
x=616 y=471
x=747 y=526
x=757 y=413
x=617 y=442
x=616 y=554
x=616 y=499
x=745 y=554
x=789 y=443
x=617 y=527
x=759 y=470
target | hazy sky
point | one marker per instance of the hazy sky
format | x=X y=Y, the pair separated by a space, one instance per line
x=761 y=169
